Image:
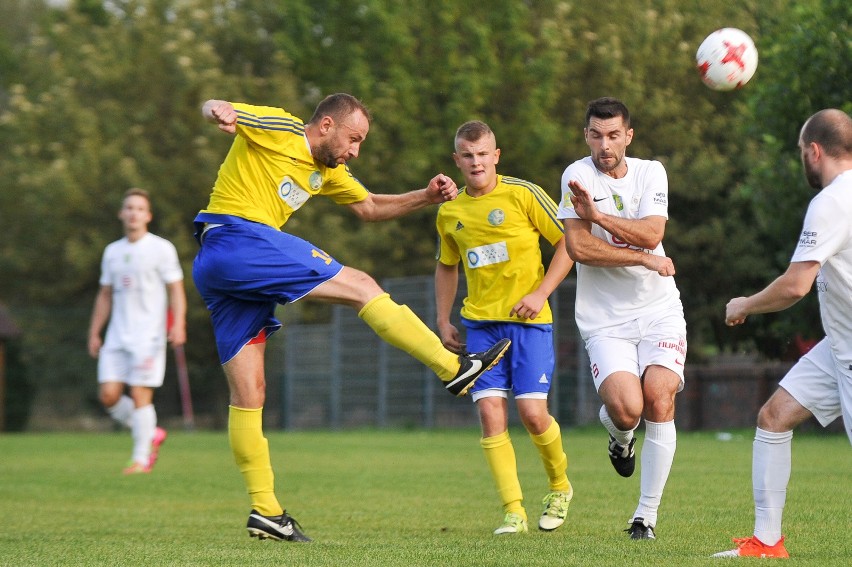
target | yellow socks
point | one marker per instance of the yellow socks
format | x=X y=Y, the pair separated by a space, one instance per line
x=549 y=445
x=398 y=326
x=251 y=453
x=500 y=456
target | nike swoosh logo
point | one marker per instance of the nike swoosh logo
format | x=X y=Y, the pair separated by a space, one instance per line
x=599 y=200
x=475 y=366
x=286 y=529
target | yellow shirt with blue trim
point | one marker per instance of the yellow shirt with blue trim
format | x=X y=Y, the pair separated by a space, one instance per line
x=496 y=237
x=269 y=172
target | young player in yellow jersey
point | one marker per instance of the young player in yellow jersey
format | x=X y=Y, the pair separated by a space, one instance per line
x=247 y=266
x=493 y=229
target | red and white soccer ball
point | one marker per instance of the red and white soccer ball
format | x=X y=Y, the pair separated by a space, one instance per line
x=726 y=59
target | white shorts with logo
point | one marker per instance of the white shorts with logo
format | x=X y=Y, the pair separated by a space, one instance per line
x=657 y=339
x=145 y=367
x=819 y=384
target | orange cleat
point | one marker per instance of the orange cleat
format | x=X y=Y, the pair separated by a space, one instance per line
x=136 y=468
x=753 y=547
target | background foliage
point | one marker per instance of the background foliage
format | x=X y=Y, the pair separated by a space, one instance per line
x=99 y=96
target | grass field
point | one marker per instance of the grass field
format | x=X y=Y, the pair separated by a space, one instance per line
x=376 y=498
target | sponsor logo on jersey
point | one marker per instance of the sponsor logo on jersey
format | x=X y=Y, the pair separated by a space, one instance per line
x=808 y=239
x=315 y=180
x=679 y=347
x=292 y=194
x=660 y=199
x=459 y=225
x=496 y=217
x=487 y=255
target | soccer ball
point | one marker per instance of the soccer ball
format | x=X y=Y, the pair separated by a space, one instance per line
x=726 y=59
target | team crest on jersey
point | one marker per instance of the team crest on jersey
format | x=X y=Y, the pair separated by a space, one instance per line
x=315 y=180
x=292 y=194
x=566 y=200
x=619 y=204
x=496 y=217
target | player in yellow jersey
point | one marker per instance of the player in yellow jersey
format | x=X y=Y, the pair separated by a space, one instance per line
x=246 y=266
x=493 y=229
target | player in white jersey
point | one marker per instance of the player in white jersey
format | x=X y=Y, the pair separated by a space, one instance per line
x=820 y=384
x=141 y=278
x=628 y=308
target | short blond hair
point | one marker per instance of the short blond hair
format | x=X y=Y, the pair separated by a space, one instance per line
x=135 y=191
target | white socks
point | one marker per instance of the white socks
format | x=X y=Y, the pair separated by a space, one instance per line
x=770 y=473
x=144 y=422
x=122 y=411
x=658 y=452
x=622 y=437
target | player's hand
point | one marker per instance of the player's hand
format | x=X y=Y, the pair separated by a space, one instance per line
x=583 y=201
x=177 y=335
x=663 y=265
x=529 y=306
x=222 y=113
x=441 y=188
x=735 y=312
x=450 y=338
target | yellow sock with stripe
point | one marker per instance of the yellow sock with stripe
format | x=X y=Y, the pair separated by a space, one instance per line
x=398 y=326
x=549 y=445
x=500 y=455
x=251 y=453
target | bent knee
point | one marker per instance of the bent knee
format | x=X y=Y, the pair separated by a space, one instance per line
x=109 y=399
x=782 y=412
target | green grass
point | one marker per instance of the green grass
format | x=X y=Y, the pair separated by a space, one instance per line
x=375 y=498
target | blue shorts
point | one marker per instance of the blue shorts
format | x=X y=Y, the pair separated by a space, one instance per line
x=245 y=269
x=527 y=367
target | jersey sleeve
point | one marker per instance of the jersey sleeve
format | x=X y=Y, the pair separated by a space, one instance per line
x=824 y=232
x=169 y=267
x=342 y=187
x=266 y=126
x=655 y=192
x=448 y=252
x=542 y=211
x=104 y=278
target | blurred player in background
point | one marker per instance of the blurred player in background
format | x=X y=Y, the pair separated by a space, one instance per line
x=247 y=266
x=141 y=279
x=494 y=228
x=628 y=308
x=820 y=384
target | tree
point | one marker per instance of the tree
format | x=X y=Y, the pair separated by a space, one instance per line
x=805 y=66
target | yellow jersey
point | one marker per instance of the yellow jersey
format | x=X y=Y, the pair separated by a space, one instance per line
x=269 y=172
x=497 y=239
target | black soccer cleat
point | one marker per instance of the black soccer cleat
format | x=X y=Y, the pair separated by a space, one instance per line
x=283 y=527
x=474 y=365
x=623 y=457
x=640 y=529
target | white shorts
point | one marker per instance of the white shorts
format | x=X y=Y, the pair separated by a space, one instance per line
x=658 y=339
x=818 y=383
x=133 y=368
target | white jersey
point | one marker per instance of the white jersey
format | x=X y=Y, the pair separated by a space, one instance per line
x=138 y=273
x=827 y=238
x=613 y=296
